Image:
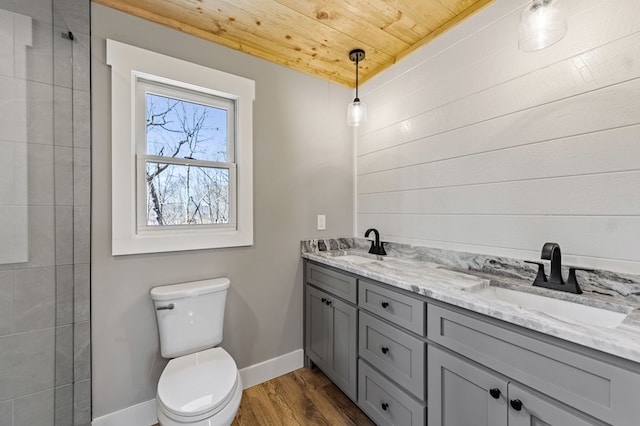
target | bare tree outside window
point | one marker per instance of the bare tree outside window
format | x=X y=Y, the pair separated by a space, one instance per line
x=187 y=147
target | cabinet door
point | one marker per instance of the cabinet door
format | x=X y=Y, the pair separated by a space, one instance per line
x=342 y=346
x=463 y=394
x=331 y=338
x=318 y=333
x=530 y=409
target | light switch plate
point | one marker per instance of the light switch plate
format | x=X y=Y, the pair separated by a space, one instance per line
x=322 y=222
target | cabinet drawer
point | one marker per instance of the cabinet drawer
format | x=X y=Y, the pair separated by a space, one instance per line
x=332 y=281
x=400 y=309
x=595 y=387
x=394 y=352
x=384 y=402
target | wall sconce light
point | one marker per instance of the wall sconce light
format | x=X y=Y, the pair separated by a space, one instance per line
x=356 y=110
x=542 y=24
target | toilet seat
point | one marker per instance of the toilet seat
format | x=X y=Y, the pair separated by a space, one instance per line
x=198 y=385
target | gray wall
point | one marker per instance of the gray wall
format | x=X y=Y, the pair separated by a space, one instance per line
x=303 y=166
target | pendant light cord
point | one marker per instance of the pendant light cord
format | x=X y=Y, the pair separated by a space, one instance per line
x=357 y=99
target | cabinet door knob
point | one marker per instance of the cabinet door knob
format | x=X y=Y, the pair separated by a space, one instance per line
x=385 y=305
x=495 y=393
x=516 y=404
x=328 y=302
x=324 y=300
x=385 y=350
x=384 y=406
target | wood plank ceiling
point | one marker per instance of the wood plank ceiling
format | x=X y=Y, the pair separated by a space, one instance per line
x=312 y=36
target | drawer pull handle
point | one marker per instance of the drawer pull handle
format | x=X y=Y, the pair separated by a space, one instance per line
x=516 y=404
x=385 y=305
x=385 y=350
x=169 y=307
x=384 y=406
x=495 y=393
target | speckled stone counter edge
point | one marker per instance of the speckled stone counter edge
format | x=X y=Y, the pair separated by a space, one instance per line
x=622 y=287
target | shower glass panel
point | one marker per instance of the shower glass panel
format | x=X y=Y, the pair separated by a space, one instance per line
x=44 y=213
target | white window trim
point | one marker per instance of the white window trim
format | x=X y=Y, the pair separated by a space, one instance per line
x=127 y=63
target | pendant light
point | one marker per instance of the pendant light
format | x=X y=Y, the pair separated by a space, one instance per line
x=356 y=111
x=542 y=23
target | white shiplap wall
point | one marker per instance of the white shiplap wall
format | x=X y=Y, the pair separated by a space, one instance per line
x=476 y=146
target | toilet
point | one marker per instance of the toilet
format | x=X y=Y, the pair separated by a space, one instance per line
x=201 y=385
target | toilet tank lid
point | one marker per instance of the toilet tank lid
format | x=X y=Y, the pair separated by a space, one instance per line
x=193 y=288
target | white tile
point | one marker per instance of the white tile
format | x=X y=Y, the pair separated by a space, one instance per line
x=81 y=292
x=6 y=43
x=40 y=55
x=26 y=363
x=34 y=410
x=41 y=177
x=65 y=278
x=64 y=235
x=14 y=234
x=64 y=355
x=81 y=177
x=6 y=413
x=13 y=173
x=63 y=116
x=39 y=113
x=6 y=303
x=41 y=236
x=64 y=176
x=13 y=109
x=64 y=406
x=34 y=296
x=81 y=119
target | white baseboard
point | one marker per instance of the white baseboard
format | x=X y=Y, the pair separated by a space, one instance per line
x=144 y=414
x=271 y=368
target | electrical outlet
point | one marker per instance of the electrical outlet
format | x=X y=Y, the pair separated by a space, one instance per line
x=322 y=222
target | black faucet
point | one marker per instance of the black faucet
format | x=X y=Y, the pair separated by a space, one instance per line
x=376 y=246
x=551 y=251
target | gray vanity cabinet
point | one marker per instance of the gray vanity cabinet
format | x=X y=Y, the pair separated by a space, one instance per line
x=537 y=410
x=464 y=394
x=330 y=334
x=597 y=390
x=392 y=352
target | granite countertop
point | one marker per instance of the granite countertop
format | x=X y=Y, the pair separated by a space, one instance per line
x=454 y=285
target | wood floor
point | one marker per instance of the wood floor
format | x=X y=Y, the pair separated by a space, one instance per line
x=302 y=397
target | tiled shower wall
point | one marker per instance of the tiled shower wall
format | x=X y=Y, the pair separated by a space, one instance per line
x=44 y=298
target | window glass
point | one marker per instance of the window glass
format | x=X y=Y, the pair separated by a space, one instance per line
x=182 y=129
x=187 y=195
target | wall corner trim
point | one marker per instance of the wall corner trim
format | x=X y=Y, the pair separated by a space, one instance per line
x=145 y=412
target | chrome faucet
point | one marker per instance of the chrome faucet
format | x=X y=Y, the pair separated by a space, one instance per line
x=376 y=246
x=551 y=251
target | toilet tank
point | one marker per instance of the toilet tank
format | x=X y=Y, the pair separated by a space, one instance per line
x=190 y=315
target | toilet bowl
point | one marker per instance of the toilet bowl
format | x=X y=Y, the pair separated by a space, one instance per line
x=200 y=389
x=201 y=385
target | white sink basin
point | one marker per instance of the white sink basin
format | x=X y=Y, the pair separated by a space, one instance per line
x=561 y=309
x=358 y=260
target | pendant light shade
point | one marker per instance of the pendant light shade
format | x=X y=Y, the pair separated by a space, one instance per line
x=356 y=113
x=356 y=110
x=542 y=23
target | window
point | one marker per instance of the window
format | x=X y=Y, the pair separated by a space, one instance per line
x=181 y=154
